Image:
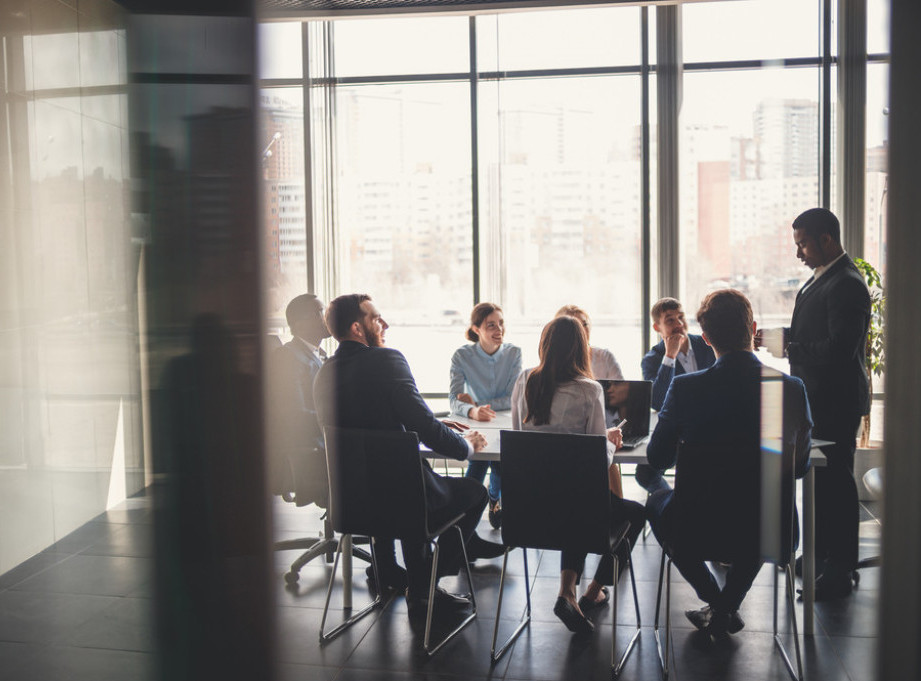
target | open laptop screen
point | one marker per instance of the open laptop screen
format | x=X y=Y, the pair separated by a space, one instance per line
x=629 y=400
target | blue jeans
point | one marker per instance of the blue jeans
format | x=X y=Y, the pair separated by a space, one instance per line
x=477 y=471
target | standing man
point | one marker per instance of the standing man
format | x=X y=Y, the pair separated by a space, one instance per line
x=677 y=353
x=720 y=408
x=366 y=385
x=827 y=350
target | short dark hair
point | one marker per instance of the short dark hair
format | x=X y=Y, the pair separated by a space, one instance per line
x=663 y=305
x=725 y=316
x=818 y=221
x=301 y=307
x=477 y=316
x=344 y=311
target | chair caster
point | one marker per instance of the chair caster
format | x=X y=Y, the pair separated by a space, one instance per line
x=291 y=578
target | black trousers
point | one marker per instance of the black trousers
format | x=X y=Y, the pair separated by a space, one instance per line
x=837 y=509
x=663 y=513
x=621 y=509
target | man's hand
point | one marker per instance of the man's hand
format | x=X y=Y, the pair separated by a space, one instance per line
x=456 y=425
x=476 y=439
x=482 y=413
x=674 y=343
x=615 y=437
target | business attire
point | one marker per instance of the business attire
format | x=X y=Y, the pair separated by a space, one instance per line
x=719 y=406
x=604 y=364
x=295 y=435
x=578 y=407
x=661 y=370
x=827 y=350
x=373 y=388
x=489 y=380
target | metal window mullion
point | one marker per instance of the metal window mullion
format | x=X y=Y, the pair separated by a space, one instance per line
x=825 y=105
x=306 y=99
x=852 y=122
x=645 y=180
x=668 y=87
x=474 y=163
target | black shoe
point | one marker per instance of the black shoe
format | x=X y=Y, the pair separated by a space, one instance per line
x=705 y=618
x=586 y=605
x=443 y=600
x=392 y=577
x=830 y=587
x=699 y=618
x=575 y=622
x=478 y=548
x=495 y=514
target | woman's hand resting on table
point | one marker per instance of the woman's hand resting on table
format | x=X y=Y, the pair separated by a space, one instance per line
x=477 y=412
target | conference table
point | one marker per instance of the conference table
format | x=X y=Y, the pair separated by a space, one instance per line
x=503 y=421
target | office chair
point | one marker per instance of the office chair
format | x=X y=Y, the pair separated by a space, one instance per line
x=376 y=488
x=873 y=481
x=732 y=480
x=555 y=496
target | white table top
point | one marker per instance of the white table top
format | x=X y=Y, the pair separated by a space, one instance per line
x=503 y=421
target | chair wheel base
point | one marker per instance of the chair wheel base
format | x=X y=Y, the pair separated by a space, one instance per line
x=291 y=578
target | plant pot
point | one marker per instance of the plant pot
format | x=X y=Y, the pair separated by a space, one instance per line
x=866 y=458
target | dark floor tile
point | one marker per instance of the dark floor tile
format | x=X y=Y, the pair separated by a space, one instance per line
x=858 y=655
x=133 y=540
x=39 y=617
x=394 y=643
x=394 y=675
x=83 y=537
x=30 y=568
x=298 y=632
x=127 y=624
x=25 y=662
x=854 y=615
x=98 y=575
x=306 y=672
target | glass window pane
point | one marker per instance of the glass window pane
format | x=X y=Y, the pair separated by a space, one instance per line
x=284 y=204
x=188 y=44
x=279 y=47
x=749 y=164
x=558 y=39
x=372 y=47
x=404 y=215
x=561 y=207
x=878 y=26
x=877 y=164
x=750 y=29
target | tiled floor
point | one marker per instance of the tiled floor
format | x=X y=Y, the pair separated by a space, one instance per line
x=82 y=608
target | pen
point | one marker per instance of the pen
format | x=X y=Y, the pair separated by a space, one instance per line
x=621 y=424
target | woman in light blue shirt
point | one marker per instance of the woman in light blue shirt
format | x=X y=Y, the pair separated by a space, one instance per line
x=482 y=377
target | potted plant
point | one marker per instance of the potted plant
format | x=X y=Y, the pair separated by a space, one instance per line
x=869 y=453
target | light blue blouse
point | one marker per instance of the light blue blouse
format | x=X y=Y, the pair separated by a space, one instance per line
x=489 y=379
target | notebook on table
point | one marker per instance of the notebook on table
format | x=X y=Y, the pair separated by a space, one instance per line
x=631 y=400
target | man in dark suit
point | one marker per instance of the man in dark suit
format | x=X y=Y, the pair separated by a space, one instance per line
x=720 y=408
x=827 y=350
x=294 y=431
x=365 y=385
x=679 y=352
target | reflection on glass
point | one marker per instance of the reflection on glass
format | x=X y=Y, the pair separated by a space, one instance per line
x=558 y=39
x=404 y=214
x=369 y=47
x=749 y=165
x=750 y=29
x=560 y=190
x=878 y=26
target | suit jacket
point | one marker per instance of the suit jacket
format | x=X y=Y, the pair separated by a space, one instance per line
x=296 y=440
x=828 y=343
x=661 y=376
x=721 y=406
x=365 y=387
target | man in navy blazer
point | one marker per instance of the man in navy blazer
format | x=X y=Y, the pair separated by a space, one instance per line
x=720 y=407
x=679 y=352
x=366 y=385
x=827 y=350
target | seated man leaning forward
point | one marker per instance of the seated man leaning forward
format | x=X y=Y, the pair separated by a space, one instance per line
x=679 y=352
x=720 y=407
x=365 y=385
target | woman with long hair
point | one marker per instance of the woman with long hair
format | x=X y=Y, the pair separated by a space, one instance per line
x=560 y=396
x=482 y=375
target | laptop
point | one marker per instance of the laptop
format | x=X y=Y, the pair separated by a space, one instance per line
x=631 y=400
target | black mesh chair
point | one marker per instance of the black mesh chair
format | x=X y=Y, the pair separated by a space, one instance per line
x=711 y=481
x=555 y=496
x=376 y=489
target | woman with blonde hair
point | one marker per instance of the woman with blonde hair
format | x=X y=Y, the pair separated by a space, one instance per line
x=604 y=364
x=482 y=376
x=560 y=396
